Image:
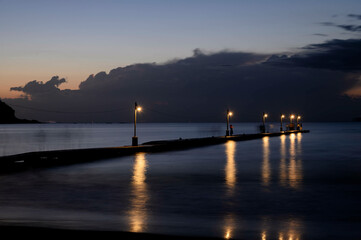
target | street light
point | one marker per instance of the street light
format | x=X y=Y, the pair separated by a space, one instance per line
x=282 y=117
x=291 y=118
x=298 y=118
x=229 y=114
x=265 y=115
x=135 y=138
x=291 y=125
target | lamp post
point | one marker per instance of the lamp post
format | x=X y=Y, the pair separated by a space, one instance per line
x=265 y=115
x=298 y=125
x=282 y=117
x=291 y=118
x=135 y=138
x=229 y=114
x=291 y=125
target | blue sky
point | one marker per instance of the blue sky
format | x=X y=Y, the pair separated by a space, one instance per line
x=73 y=39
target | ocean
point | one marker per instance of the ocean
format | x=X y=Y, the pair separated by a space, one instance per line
x=300 y=186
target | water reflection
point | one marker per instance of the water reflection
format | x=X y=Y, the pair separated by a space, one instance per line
x=291 y=231
x=283 y=166
x=288 y=230
x=140 y=196
x=229 y=226
x=231 y=178
x=264 y=235
x=299 y=146
x=295 y=167
x=266 y=168
x=291 y=173
x=230 y=169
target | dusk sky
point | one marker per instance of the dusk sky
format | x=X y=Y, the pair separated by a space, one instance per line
x=75 y=39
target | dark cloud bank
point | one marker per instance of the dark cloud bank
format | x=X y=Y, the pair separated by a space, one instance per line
x=201 y=88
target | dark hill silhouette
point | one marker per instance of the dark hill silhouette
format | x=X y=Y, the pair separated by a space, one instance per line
x=7 y=115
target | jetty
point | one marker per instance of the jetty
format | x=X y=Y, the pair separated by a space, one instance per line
x=53 y=158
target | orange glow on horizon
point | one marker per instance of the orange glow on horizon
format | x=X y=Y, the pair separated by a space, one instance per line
x=14 y=78
x=354 y=92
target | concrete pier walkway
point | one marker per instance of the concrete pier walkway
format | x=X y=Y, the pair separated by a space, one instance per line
x=43 y=159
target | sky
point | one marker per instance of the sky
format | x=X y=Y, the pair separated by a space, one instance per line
x=40 y=40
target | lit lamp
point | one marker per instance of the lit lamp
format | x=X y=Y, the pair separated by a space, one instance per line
x=229 y=114
x=291 y=126
x=135 y=138
x=282 y=117
x=291 y=118
x=265 y=115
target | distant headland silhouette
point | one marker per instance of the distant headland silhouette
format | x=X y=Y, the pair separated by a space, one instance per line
x=7 y=115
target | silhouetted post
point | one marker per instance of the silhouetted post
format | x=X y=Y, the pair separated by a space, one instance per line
x=228 y=115
x=135 y=138
x=282 y=117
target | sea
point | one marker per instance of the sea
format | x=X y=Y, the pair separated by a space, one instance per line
x=296 y=187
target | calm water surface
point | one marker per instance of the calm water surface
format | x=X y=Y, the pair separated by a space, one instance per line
x=41 y=137
x=301 y=186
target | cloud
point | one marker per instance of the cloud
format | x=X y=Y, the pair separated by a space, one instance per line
x=348 y=27
x=320 y=34
x=328 y=24
x=356 y=16
x=201 y=88
x=35 y=88
x=333 y=55
x=351 y=28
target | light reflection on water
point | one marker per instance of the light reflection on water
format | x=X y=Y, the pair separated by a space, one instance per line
x=230 y=225
x=231 y=179
x=291 y=167
x=139 y=196
x=230 y=169
x=283 y=167
x=290 y=230
x=266 y=168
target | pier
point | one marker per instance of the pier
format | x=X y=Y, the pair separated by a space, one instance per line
x=53 y=158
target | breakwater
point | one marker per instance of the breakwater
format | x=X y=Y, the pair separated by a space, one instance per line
x=43 y=159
